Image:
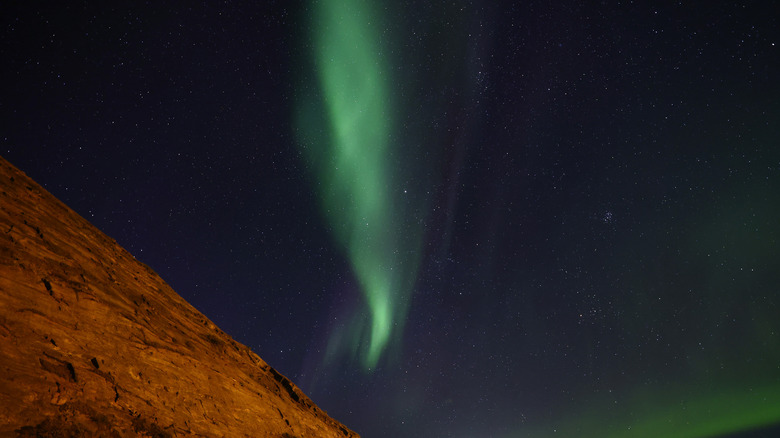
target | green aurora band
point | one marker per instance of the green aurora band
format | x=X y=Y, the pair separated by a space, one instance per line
x=345 y=133
x=691 y=411
x=346 y=130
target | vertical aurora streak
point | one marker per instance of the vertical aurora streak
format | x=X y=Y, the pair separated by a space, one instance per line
x=350 y=151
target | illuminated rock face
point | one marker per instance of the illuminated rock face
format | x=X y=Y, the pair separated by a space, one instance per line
x=94 y=343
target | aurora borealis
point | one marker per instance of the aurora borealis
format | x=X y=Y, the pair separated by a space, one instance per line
x=677 y=413
x=357 y=185
x=456 y=219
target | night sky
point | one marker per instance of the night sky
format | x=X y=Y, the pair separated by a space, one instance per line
x=440 y=219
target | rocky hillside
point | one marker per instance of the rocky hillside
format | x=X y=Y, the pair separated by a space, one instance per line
x=94 y=343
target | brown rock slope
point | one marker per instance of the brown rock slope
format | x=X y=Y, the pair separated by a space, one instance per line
x=94 y=343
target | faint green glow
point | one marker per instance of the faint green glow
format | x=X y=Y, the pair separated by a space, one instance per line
x=351 y=154
x=709 y=416
x=687 y=412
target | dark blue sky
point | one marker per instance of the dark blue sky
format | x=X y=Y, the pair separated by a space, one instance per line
x=601 y=186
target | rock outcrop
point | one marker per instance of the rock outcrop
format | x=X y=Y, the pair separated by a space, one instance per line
x=94 y=343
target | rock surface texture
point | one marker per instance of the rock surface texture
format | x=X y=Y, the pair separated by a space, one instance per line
x=94 y=343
